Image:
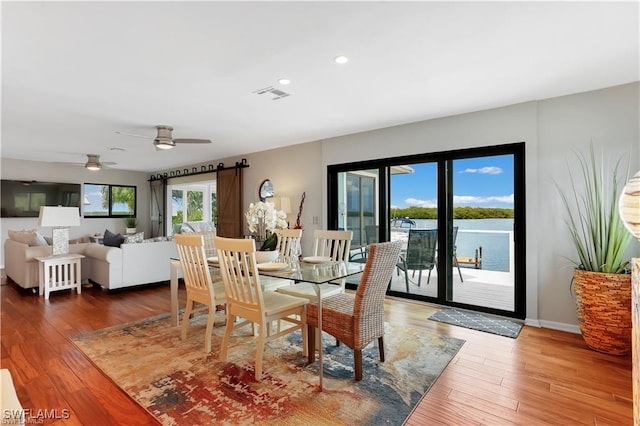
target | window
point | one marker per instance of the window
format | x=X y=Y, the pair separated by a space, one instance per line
x=195 y=202
x=109 y=200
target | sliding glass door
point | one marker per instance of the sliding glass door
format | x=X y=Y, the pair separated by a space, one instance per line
x=459 y=215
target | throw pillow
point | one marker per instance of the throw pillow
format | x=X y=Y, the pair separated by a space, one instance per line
x=112 y=240
x=31 y=237
x=135 y=238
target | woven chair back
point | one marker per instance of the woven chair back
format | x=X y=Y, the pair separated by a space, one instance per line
x=381 y=262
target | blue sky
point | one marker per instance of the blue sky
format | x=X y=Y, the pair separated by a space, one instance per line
x=477 y=182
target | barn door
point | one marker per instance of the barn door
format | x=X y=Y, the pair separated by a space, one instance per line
x=229 y=196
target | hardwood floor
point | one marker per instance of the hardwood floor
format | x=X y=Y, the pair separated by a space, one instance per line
x=542 y=377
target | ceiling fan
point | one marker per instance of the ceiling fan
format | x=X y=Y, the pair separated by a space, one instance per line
x=164 y=138
x=93 y=163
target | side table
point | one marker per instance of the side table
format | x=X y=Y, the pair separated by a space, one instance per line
x=60 y=272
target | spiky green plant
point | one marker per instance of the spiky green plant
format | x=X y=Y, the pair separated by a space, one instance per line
x=596 y=229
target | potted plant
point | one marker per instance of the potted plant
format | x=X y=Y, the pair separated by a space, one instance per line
x=130 y=223
x=601 y=280
x=263 y=219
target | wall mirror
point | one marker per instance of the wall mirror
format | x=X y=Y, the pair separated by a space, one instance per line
x=266 y=190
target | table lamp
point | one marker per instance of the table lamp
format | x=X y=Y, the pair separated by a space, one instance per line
x=281 y=203
x=60 y=219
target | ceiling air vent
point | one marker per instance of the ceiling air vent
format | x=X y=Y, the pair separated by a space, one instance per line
x=273 y=93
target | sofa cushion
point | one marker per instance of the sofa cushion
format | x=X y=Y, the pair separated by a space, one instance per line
x=135 y=238
x=112 y=240
x=31 y=237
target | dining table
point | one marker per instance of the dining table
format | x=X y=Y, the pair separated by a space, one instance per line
x=314 y=270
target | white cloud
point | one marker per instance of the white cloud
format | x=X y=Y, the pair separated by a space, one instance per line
x=462 y=200
x=413 y=202
x=489 y=170
x=472 y=199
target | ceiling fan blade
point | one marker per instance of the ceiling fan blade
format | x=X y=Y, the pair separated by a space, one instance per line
x=192 y=141
x=65 y=163
x=108 y=163
x=135 y=135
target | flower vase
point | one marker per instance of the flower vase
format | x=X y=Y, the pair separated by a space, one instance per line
x=267 y=256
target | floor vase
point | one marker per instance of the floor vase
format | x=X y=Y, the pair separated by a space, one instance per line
x=604 y=310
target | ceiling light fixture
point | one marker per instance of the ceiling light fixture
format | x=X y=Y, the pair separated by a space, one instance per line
x=93 y=163
x=341 y=59
x=164 y=143
x=284 y=81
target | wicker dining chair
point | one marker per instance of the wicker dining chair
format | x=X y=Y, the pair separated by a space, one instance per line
x=197 y=279
x=357 y=321
x=246 y=299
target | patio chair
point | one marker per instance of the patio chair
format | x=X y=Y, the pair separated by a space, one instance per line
x=198 y=282
x=455 y=255
x=246 y=299
x=370 y=236
x=357 y=321
x=420 y=254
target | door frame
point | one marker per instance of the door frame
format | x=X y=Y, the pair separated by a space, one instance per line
x=444 y=161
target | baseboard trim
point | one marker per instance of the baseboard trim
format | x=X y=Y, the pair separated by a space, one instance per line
x=569 y=328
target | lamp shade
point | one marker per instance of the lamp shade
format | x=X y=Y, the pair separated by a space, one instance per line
x=281 y=203
x=59 y=216
x=629 y=205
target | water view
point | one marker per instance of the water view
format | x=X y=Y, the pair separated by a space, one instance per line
x=490 y=234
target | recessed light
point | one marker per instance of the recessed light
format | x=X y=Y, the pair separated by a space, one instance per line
x=341 y=59
x=284 y=81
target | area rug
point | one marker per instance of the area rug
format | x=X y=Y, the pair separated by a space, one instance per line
x=181 y=385
x=476 y=321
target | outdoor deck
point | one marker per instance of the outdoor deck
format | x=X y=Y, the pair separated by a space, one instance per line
x=480 y=287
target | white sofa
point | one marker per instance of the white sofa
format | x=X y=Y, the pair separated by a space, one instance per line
x=131 y=264
x=21 y=266
x=111 y=267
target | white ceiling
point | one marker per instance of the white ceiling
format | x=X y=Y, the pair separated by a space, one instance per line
x=74 y=73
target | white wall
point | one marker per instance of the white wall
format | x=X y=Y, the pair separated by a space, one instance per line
x=292 y=170
x=46 y=172
x=609 y=118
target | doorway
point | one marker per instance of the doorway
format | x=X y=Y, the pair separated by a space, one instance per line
x=469 y=203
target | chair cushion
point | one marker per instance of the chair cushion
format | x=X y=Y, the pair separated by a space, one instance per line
x=272 y=284
x=308 y=291
x=275 y=302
